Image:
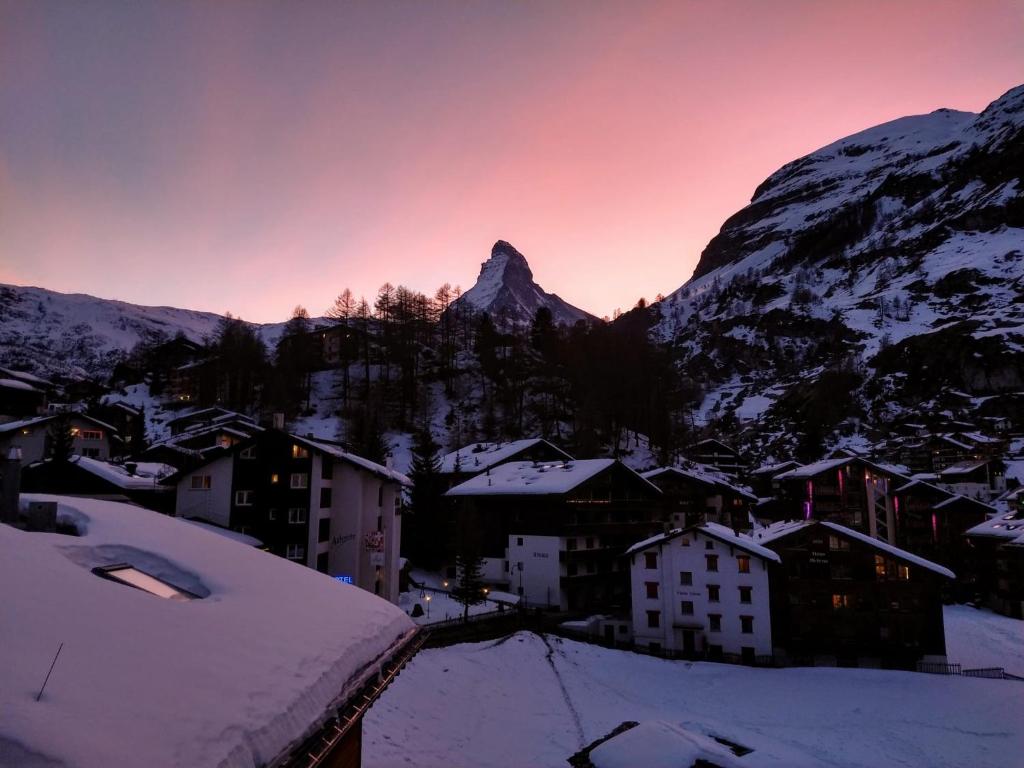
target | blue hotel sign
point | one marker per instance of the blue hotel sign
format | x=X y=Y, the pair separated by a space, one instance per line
x=344 y=579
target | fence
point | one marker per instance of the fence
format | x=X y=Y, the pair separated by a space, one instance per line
x=990 y=673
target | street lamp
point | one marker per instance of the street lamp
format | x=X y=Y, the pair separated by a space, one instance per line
x=427 y=599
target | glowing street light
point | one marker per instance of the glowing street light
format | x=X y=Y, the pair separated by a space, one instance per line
x=427 y=599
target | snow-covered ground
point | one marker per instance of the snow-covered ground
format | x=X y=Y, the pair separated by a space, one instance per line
x=442 y=605
x=535 y=701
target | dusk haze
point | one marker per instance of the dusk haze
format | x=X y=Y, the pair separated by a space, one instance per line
x=511 y=383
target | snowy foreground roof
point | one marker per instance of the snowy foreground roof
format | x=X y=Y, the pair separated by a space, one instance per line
x=660 y=744
x=234 y=678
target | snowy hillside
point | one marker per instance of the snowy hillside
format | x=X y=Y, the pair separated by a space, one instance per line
x=895 y=254
x=75 y=335
x=505 y=289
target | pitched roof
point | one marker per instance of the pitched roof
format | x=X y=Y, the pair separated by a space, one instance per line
x=538 y=478
x=12 y=426
x=703 y=475
x=713 y=530
x=480 y=456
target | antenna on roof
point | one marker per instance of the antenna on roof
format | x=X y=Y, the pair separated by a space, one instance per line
x=52 y=665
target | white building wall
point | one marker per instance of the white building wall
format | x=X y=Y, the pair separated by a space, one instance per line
x=673 y=559
x=214 y=503
x=534 y=566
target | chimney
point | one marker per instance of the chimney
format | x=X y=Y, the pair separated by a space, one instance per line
x=10 y=486
x=131 y=467
x=278 y=421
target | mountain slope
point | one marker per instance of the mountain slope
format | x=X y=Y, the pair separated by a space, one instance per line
x=505 y=289
x=895 y=255
x=76 y=335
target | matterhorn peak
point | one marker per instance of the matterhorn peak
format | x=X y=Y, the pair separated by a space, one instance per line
x=506 y=290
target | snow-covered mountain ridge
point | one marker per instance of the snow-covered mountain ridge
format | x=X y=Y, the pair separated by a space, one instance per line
x=75 y=335
x=505 y=289
x=895 y=254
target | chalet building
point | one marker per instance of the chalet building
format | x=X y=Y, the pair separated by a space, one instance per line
x=931 y=522
x=470 y=460
x=717 y=454
x=842 y=597
x=553 y=532
x=760 y=479
x=189 y=448
x=23 y=394
x=702 y=591
x=853 y=492
x=998 y=548
x=194 y=382
x=131 y=482
x=307 y=500
x=934 y=453
x=983 y=479
x=694 y=495
x=205 y=417
x=128 y=420
x=91 y=437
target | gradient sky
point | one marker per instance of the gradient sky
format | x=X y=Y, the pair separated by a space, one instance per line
x=248 y=157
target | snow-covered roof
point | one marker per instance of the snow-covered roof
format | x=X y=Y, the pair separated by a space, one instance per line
x=232 y=679
x=715 y=531
x=660 y=744
x=1002 y=526
x=10 y=373
x=478 y=457
x=963 y=468
x=701 y=473
x=11 y=426
x=339 y=453
x=816 y=468
x=16 y=384
x=774 y=469
x=777 y=530
x=241 y=538
x=535 y=478
x=902 y=554
x=147 y=475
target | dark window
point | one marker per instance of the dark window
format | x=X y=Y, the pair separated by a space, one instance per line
x=747 y=625
x=838 y=544
x=712 y=593
x=380 y=495
x=570 y=545
x=686 y=578
x=570 y=569
x=321 y=562
x=590 y=542
x=686 y=608
x=324 y=530
x=715 y=622
x=652 y=589
x=519 y=541
x=743 y=562
x=709 y=545
x=325 y=498
x=745 y=594
x=712 y=561
x=650 y=560
x=326 y=468
x=654 y=619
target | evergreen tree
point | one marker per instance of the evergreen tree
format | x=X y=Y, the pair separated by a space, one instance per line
x=426 y=540
x=469 y=588
x=60 y=438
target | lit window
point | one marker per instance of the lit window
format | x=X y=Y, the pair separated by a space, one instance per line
x=299 y=480
x=879 y=566
x=296 y=515
x=652 y=589
x=298 y=452
x=201 y=482
x=841 y=601
x=904 y=572
x=295 y=552
x=243 y=498
x=685 y=540
x=133 y=577
x=91 y=434
x=743 y=562
x=275 y=478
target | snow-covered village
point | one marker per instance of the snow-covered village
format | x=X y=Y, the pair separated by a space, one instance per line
x=591 y=384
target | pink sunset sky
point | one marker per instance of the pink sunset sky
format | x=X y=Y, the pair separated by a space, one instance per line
x=248 y=157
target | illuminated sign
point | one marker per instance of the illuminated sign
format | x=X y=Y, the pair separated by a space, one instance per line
x=344 y=579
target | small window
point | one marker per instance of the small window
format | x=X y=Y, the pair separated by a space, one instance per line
x=570 y=544
x=841 y=601
x=838 y=544
x=297 y=515
x=747 y=625
x=272 y=514
x=903 y=572
x=713 y=594
x=709 y=545
x=743 y=563
x=201 y=482
x=295 y=552
x=324 y=530
x=651 y=560
x=652 y=589
x=685 y=540
x=712 y=562
x=519 y=541
x=714 y=622
x=321 y=562
x=745 y=594
x=686 y=578
x=590 y=542
x=880 y=567
x=298 y=452
x=248 y=453
x=653 y=619
x=686 y=608
x=243 y=498
x=325 y=498
x=380 y=495
x=275 y=479
x=570 y=569
x=91 y=434
x=91 y=453
x=326 y=468
x=299 y=480
x=133 y=577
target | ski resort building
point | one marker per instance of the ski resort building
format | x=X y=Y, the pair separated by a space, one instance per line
x=702 y=590
x=553 y=532
x=307 y=500
x=169 y=645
